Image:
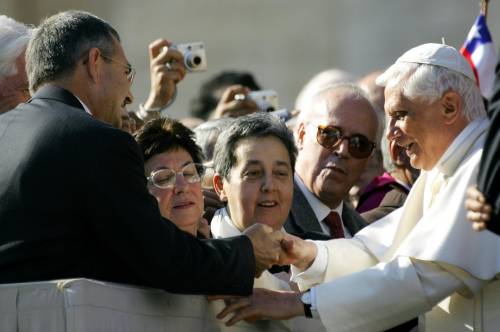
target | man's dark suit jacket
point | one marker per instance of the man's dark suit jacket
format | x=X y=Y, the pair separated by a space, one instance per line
x=74 y=203
x=489 y=170
x=303 y=222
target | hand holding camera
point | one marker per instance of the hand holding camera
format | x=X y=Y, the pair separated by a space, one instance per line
x=234 y=103
x=163 y=79
x=194 y=56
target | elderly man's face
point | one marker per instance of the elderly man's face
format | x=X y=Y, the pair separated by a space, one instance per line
x=416 y=126
x=14 y=89
x=330 y=173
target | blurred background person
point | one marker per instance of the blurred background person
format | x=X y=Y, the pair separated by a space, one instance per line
x=375 y=166
x=14 y=87
x=388 y=192
x=174 y=170
x=212 y=91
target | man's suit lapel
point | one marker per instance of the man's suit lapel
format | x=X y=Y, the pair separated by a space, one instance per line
x=302 y=213
x=56 y=93
x=352 y=220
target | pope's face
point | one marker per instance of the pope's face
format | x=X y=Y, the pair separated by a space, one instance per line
x=416 y=126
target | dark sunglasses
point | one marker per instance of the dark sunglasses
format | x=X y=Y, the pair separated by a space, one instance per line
x=330 y=137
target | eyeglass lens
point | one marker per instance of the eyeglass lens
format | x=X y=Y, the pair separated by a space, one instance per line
x=166 y=178
x=359 y=146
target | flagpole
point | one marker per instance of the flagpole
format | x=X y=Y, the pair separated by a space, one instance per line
x=484 y=8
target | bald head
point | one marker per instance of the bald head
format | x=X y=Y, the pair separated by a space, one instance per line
x=329 y=173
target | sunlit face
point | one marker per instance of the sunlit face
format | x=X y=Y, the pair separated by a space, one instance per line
x=182 y=204
x=417 y=127
x=260 y=184
x=14 y=89
x=114 y=88
x=329 y=174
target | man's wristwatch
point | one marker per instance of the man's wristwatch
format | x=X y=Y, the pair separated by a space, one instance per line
x=309 y=310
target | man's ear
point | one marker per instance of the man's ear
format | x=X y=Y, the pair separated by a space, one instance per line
x=452 y=106
x=219 y=187
x=299 y=135
x=94 y=64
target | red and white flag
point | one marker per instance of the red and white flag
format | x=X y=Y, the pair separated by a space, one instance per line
x=480 y=52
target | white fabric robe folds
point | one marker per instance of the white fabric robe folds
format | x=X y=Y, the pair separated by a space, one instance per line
x=405 y=263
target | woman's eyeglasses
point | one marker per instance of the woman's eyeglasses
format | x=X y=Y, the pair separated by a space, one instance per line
x=166 y=178
x=330 y=137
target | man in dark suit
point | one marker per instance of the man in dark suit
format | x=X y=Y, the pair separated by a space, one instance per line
x=335 y=137
x=73 y=197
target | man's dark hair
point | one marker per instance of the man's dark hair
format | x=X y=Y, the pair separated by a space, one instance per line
x=61 y=41
x=166 y=134
x=260 y=124
x=211 y=91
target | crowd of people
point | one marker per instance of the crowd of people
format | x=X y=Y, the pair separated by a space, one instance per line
x=352 y=215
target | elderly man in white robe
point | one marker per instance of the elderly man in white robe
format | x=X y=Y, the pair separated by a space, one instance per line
x=424 y=258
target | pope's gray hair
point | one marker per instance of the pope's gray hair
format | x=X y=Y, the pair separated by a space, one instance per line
x=429 y=83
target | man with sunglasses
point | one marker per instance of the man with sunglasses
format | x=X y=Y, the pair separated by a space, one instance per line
x=335 y=137
x=424 y=258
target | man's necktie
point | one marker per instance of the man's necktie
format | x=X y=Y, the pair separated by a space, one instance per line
x=334 y=223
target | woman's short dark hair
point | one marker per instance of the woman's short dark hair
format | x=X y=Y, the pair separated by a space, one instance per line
x=260 y=124
x=166 y=134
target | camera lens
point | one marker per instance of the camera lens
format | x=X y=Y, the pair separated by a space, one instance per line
x=197 y=60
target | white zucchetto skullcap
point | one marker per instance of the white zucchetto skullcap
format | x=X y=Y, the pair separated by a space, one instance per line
x=438 y=55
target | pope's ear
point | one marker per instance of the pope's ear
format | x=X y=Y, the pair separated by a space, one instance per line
x=452 y=106
x=219 y=187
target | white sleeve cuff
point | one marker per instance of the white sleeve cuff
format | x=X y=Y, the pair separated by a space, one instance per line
x=315 y=274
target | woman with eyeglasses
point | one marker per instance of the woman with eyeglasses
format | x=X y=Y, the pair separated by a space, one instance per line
x=174 y=170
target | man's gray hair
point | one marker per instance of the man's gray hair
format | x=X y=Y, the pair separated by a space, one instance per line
x=430 y=82
x=310 y=112
x=14 y=37
x=62 y=41
x=255 y=125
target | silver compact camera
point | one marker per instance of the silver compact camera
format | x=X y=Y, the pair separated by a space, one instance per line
x=195 y=58
x=266 y=100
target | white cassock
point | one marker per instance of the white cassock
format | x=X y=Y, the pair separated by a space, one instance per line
x=407 y=262
x=221 y=227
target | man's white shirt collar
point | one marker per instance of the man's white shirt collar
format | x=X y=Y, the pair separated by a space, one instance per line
x=84 y=106
x=321 y=210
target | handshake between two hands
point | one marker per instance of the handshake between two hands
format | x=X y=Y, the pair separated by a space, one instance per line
x=272 y=247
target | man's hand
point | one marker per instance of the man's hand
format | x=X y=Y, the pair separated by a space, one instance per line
x=262 y=304
x=266 y=245
x=163 y=77
x=235 y=102
x=478 y=210
x=297 y=252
